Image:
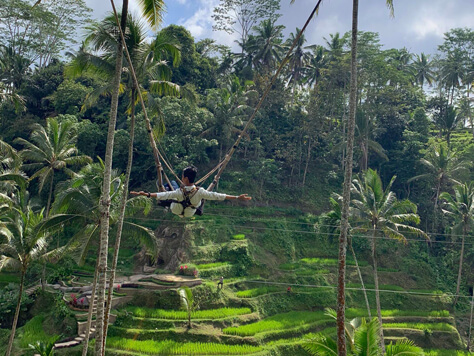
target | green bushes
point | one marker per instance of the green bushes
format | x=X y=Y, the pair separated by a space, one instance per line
x=255 y=292
x=176 y=348
x=238 y=237
x=187 y=270
x=277 y=322
x=183 y=315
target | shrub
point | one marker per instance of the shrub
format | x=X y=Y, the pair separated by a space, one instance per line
x=238 y=237
x=187 y=269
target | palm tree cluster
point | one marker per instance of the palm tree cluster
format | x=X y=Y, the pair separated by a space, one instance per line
x=378 y=211
x=26 y=231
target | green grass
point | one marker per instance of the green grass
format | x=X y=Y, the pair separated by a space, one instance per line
x=6 y=278
x=238 y=237
x=277 y=322
x=207 y=266
x=183 y=315
x=255 y=292
x=33 y=331
x=421 y=326
x=352 y=313
x=289 y=266
x=175 y=348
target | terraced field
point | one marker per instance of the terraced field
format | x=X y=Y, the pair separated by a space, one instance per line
x=244 y=331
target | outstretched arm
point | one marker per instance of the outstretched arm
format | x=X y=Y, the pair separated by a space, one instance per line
x=240 y=197
x=141 y=192
x=160 y=196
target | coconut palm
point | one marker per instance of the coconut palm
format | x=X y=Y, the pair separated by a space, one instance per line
x=330 y=223
x=50 y=149
x=363 y=338
x=346 y=195
x=266 y=45
x=23 y=244
x=461 y=208
x=77 y=205
x=152 y=10
x=12 y=177
x=314 y=66
x=423 y=69
x=443 y=167
x=452 y=72
x=378 y=211
x=230 y=105
x=298 y=58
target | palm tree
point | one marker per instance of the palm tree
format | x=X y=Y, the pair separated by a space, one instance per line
x=77 y=205
x=330 y=223
x=152 y=11
x=187 y=302
x=51 y=148
x=452 y=72
x=266 y=45
x=230 y=105
x=363 y=141
x=334 y=45
x=298 y=59
x=461 y=208
x=443 y=167
x=363 y=339
x=378 y=210
x=316 y=63
x=423 y=70
x=23 y=244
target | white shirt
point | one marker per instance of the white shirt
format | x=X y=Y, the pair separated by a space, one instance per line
x=177 y=208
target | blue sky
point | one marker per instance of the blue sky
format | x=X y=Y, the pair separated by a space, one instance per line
x=418 y=24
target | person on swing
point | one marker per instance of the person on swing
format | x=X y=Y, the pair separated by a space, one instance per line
x=187 y=200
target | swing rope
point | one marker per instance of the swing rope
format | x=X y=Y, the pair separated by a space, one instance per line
x=158 y=157
x=228 y=156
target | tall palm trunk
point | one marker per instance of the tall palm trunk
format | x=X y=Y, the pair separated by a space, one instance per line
x=469 y=334
x=50 y=194
x=308 y=158
x=104 y=204
x=17 y=313
x=85 y=344
x=458 y=286
x=123 y=205
x=346 y=196
x=361 y=279
x=377 y=293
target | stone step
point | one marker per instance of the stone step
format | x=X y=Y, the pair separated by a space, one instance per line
x=63 y=345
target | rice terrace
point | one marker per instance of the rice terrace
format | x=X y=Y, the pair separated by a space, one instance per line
x=236 y=177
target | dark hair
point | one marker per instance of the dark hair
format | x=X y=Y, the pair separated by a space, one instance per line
x=190 y=173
